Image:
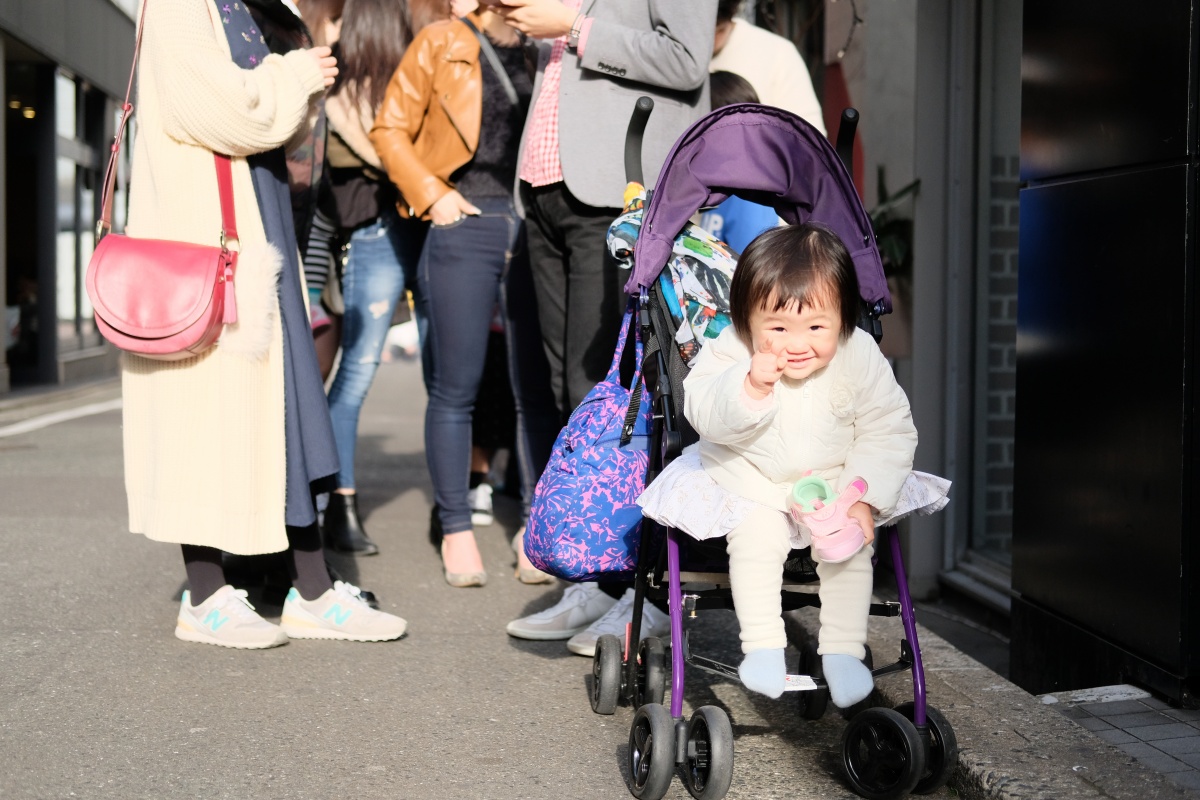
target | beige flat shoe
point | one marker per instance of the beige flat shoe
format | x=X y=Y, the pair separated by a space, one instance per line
x=526 y=572
x=462 y=580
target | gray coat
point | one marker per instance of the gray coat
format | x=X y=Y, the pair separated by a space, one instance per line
x=659 y=48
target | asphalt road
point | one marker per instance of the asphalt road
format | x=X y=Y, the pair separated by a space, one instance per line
x=98 y=699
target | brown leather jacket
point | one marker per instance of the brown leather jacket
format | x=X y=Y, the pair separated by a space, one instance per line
x=428 y=125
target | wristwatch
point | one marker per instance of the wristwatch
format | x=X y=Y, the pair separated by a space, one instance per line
x=576 y=27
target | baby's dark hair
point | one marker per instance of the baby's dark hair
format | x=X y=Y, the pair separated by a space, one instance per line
x=801 y=264
x=727 y=88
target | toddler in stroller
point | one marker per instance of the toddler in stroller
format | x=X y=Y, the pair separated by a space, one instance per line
x=792 y=388
x=762 y=370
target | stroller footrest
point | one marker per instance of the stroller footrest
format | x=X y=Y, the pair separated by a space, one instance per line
x=800 y=683
x=792 y=683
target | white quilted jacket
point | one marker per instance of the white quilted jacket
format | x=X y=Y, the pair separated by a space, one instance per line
x=850 y=419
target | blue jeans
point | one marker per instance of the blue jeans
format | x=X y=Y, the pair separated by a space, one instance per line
x=461 y=272
x=382 y=260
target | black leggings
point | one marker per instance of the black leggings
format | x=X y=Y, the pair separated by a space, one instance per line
x=306 y=566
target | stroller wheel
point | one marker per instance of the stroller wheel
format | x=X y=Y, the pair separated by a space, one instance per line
x=708 y=770
x=651 y=672
x=651 y=752
x=883 y=754
x=814 y=703
x=942 y=752
x=606 y=674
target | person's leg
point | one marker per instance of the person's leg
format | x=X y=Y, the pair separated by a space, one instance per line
x=595 y=297
x=306 y=567
x=459 y=273
x=757 y=550
x=372 y=283
x=538 y=419
x=845 y=594
x=547 y=254
x=410 y=241
x=204 y=571
x=212 y=612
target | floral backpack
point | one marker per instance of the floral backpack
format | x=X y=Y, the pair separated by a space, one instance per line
x=585 y=521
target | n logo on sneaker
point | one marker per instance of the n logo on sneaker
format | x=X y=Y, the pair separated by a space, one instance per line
x=339 y=616
x=214 y=620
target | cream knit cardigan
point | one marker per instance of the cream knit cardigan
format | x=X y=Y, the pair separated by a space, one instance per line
x=204 y=438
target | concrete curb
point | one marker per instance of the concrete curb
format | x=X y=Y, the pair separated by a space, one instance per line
x=1012 y=746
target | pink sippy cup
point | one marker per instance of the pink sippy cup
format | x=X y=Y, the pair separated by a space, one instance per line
x=835 y=535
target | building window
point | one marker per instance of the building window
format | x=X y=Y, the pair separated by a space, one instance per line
x=80 y=124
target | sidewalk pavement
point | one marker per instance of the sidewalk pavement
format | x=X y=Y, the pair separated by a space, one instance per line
x=97 y=699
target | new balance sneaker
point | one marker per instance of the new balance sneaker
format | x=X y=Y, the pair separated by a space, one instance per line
x=654 y=623
x=226 y=619
x=480 y=501
x=340 y=613
x=580 y=606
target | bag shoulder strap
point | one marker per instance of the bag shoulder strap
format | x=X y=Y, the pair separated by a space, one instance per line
x=222 y=162
x=489 y=52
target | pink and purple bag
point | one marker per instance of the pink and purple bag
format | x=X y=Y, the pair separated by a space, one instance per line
x=585 y=522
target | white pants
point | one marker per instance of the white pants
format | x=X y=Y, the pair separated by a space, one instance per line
x=757 y=550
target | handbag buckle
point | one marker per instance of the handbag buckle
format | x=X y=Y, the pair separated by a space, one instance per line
x=100 y=226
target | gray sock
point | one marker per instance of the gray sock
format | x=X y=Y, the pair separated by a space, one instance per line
x=848 y=678
x=764 y=671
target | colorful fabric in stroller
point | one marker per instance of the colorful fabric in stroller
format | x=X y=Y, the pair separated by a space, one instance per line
x=695 y=282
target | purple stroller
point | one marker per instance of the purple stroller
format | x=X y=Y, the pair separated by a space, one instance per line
x=772 y=157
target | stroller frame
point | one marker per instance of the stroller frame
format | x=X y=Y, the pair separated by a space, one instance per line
x=886 y=753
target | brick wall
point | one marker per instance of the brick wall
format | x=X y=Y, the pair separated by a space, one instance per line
x=1001 y=308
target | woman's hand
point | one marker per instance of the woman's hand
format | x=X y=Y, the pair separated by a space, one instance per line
x=766 y=367
x=861 y=513
x=326 y=63
x=450 y=208
x=541 y=19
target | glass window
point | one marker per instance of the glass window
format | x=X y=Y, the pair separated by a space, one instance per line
x=65 y=104
x=66 y=255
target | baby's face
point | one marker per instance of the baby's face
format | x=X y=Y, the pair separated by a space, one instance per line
x=807 y=336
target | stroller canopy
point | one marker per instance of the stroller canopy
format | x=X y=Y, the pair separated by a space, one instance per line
x=768 y=156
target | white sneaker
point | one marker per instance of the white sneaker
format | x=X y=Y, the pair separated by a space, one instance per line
x=480 y=501
x=226 y=619
x=654 y=623
x=580 y=606
x=340 y=613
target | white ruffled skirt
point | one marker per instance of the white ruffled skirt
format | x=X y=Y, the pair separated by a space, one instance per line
x=684 y=497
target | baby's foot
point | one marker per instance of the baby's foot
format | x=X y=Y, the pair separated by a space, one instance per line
x=848 y=678
x=764 y=671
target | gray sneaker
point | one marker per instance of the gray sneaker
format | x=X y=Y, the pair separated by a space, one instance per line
x=580 y=606
x=226 y=619
x=654 y=623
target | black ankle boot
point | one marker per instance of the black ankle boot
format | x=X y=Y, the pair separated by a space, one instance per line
x=343 y=532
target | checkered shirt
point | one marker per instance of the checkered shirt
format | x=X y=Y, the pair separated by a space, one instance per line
x=540 y=165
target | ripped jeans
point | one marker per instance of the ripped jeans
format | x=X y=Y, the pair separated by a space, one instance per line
x=382 y=260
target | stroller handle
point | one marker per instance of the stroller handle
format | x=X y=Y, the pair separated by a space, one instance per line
x=633 y=139
x=845 y=137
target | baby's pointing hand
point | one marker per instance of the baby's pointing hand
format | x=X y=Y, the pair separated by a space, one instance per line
x=766 y=367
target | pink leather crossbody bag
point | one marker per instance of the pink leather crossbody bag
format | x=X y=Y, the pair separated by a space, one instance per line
x=161 y=299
